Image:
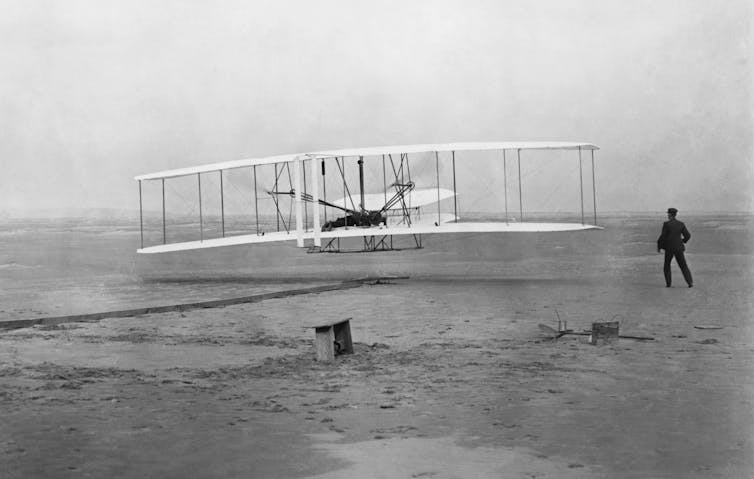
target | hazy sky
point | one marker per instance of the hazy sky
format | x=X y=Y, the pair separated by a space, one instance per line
x=94 y=92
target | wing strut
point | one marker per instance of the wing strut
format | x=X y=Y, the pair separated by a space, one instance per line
x=581 y=186
x=222 y=203
x=437 y=170
x=455 y=194
x=297 y=191
x=256 y=199
x=276 y=202
x=201 y=222
x=141 y=217
x=520 y=194
x=505 y=187
x=164 y=235
x=306 y=210
x=346 y=190
x=361 y=182
x=315 y=200
x=324 y=187
x=594 y=191
x=384 y=179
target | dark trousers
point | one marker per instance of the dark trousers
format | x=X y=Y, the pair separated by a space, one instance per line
x=681 y=260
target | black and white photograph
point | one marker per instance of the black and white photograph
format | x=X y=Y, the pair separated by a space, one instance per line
x=395 y=239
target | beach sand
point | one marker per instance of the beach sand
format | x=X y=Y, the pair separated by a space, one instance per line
x=449 y=378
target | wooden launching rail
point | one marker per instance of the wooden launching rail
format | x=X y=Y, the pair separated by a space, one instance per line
x=92 y=317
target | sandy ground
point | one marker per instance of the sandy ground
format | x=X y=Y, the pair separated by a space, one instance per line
x=449 y=379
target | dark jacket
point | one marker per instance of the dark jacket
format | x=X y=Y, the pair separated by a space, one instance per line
x=674 y=235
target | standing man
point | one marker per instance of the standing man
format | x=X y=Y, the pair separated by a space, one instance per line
x=672 y=239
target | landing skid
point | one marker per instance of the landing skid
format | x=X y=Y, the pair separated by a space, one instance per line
x=371 y=244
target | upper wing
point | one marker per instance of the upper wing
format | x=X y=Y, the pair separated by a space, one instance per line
x=225 y=165
x=373 y=151
x=467 y=146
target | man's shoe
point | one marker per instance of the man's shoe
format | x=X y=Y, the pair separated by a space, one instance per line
x=691 y=286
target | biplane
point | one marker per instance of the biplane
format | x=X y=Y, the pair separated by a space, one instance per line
x=320 y=198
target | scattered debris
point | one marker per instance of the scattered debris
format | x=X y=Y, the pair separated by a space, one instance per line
x=604 y=333
x=558 y=334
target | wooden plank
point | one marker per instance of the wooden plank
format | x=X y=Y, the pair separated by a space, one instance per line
x=324 y=342
x=342 y=333
x=334 y=321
